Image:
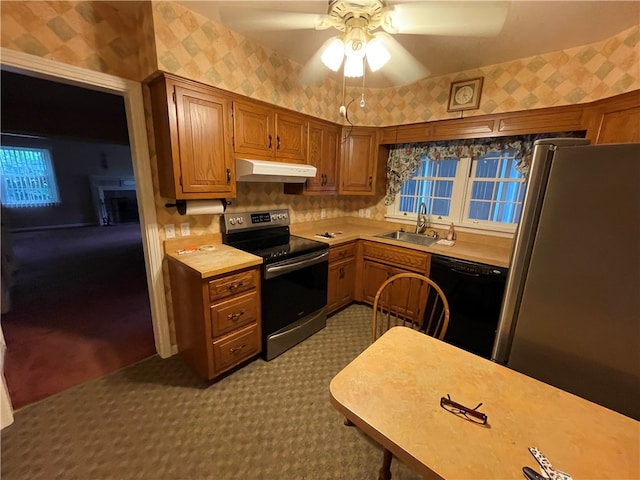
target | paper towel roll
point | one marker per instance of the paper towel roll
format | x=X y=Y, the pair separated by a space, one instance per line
x=202 y=207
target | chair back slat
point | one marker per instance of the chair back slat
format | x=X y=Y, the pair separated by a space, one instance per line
x=411 y=300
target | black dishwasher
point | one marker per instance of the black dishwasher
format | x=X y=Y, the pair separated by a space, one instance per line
x=474 y=292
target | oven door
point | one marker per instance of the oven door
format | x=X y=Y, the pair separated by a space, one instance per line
x=293 y=289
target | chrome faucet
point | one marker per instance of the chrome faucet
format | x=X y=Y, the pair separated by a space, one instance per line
x=422 y=221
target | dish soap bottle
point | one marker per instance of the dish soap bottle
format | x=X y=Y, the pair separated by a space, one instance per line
x=451 y=233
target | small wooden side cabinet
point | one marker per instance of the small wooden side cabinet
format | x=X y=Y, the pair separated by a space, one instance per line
x=217 y=319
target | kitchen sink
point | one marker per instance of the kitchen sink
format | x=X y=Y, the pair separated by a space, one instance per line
x=409 y=237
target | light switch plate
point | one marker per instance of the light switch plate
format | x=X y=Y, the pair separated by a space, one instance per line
x=185 y=231
x=170 y=231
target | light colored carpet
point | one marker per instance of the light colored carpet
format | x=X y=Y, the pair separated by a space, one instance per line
x=156 y=420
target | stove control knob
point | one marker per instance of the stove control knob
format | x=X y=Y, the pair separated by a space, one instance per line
x=232 y=221
x=280 y=216
x=240 y=220
x=273 y=218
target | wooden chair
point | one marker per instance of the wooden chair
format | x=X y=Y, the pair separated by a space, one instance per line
x=414 y=301
x=410 y=300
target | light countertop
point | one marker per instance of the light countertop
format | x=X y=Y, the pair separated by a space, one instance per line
x=215 y=259
x=477 y=248
x=220 y=259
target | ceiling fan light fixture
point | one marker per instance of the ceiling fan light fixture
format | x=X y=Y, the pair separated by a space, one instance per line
x=355 y=44
x=353 y=67
x=333 y=54
x=377 y=54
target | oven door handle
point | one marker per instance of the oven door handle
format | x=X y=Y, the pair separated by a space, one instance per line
x=281 y=268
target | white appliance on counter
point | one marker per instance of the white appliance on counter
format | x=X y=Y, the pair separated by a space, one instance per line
x=571 y=312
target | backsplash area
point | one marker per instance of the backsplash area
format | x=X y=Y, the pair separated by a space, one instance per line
x=266 y=196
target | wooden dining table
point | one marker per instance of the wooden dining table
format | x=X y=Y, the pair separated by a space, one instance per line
x=392 y=392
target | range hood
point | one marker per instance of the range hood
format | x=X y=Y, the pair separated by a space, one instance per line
x=264 y=171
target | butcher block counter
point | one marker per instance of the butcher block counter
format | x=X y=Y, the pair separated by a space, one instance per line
x=477 y=248
x=209 y=257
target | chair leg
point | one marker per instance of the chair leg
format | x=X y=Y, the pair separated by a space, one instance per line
x=348 y=422
x=385 y=470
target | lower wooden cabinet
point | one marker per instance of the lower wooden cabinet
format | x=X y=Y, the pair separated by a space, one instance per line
x=217 y=319
x=380 y=262
x=342 y=275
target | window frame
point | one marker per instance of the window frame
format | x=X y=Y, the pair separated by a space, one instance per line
x=50 y=174
x=460 y=203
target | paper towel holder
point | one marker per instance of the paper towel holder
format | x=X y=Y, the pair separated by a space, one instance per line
x=181 y=205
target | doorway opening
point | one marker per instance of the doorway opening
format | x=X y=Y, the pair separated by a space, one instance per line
x=79 y=306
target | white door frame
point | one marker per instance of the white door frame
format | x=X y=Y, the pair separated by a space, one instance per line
x=131 y=92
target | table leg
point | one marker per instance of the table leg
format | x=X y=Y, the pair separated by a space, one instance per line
x=385 y=470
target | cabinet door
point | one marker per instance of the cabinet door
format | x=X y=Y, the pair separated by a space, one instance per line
x=620 y=127
x=323 y=154
x=359 y=156
x=375 y=274
x=340 y=284
x=253 y=130
x=206 y=164
x=291 y=138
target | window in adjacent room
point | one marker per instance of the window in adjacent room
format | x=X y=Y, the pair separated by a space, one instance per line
x=28 y=179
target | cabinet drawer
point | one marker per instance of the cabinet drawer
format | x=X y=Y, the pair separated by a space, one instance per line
x=341 y=252
x=231 y=284
x=397 y=256
x=233 y=313
x=236 y=347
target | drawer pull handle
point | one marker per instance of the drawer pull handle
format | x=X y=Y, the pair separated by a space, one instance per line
x=235 y=316
x=270 y=140
x=237 y=349
x=234 y=286
x=342 y=253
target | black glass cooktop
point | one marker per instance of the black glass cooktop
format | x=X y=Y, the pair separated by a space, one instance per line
x=273 y=244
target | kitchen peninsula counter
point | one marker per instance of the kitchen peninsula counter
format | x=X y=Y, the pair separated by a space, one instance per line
x=486 y=249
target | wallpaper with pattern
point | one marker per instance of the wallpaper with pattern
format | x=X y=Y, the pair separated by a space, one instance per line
x=133 y=39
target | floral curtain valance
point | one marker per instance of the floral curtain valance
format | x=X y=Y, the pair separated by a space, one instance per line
x=404 y=159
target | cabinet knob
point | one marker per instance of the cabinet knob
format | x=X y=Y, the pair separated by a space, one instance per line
x=370 y=181
x=228 y=176
x=341 y=271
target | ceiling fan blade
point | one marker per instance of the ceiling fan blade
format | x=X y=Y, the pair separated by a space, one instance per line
x=241 y=19
x=473 y=19
x=402 y=68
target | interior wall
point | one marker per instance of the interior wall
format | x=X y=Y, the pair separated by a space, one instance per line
x=74 y=162
x=132 y=39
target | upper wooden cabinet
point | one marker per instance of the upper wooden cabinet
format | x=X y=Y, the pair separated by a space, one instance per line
x=323 y=150
x=192 y=129
x=358 y=161
x=268 y=134
x=615 y=119
x=611 y=120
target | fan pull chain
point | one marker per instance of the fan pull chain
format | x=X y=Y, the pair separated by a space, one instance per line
x=364 y=71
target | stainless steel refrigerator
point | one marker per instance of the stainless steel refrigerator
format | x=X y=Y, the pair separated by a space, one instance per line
x=571 y=310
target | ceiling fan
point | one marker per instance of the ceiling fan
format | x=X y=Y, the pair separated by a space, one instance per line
x=367 y=28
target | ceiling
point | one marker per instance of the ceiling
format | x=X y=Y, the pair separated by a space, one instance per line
x=531 y=28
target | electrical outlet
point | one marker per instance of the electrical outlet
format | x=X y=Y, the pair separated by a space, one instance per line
x=323 y=213
x=185 y=231
x=361 y=213
x=170 y=231
x=367 y=213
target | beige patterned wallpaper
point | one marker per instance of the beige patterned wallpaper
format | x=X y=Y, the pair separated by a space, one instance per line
x=133 y=39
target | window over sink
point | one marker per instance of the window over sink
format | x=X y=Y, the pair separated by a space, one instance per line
x=484 y=193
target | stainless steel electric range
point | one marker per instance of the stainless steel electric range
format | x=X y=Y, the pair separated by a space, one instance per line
x=294 y=276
